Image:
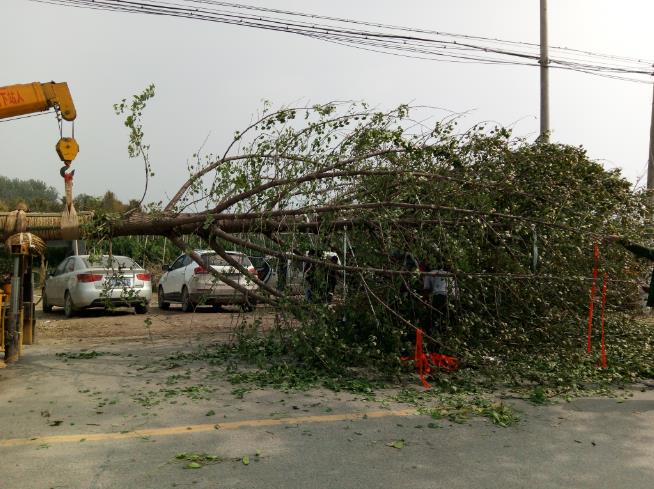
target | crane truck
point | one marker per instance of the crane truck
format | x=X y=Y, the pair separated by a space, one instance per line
x=20 y=100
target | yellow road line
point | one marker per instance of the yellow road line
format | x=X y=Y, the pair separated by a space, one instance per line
x=203 y=428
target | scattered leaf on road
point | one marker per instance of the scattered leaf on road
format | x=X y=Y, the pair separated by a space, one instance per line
x=399 y=444
x=197 y=460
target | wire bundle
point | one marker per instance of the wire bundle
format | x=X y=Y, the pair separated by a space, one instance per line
x=383 y=38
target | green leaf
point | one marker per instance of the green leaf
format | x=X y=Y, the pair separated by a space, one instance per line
x=246 y=460
x=399 y=444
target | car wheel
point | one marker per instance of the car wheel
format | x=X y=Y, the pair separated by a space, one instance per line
x=160 y=300
x=69 y=307
x=141 y=308
x=47 y=307
x=187 y=305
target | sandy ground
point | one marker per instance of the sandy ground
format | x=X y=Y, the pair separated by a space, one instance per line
x=96 y=326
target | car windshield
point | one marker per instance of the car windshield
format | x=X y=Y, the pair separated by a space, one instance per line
x=105 y=261
x=215 y=260
x=258 y=261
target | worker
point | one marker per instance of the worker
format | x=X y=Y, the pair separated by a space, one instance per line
x=309 y=272
x=332 y=279
x=438 y=291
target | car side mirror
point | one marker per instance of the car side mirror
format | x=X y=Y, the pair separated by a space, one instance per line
x=165 y=268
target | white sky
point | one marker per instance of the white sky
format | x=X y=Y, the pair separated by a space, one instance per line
x=210 y=78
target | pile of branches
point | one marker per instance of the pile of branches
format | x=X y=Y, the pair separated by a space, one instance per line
x=513 y=222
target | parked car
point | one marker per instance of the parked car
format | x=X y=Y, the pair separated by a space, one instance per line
x=262 y=264
x=86 y=281
x=288 y=275
x=285 y=276
x=187 y=283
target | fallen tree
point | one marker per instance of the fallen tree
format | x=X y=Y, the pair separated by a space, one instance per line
x=513 y=221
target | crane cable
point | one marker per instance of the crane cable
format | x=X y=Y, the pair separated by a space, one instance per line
x=69 y=218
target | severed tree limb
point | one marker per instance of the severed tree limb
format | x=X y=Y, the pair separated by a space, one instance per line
x=143 y=224
x=317 y=261
x=196 y=176
x=323 y=173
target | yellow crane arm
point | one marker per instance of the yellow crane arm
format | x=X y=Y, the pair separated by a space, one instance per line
x=36 y=97
x=28 y=98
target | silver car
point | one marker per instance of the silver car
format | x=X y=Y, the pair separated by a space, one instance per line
x=86 y=281
x=289 y=276
x=189 y=284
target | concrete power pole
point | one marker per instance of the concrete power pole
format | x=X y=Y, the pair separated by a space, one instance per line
x=650 y=159
x=544 y=76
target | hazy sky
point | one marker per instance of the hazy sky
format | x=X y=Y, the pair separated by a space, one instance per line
x=210 y=79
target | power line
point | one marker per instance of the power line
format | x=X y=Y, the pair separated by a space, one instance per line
x=382 y=38
x=408 y=29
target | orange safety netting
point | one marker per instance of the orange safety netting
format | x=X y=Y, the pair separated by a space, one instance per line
x=425 y=362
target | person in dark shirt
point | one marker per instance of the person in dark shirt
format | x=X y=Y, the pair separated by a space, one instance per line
x=332 y=279
x=309 y=273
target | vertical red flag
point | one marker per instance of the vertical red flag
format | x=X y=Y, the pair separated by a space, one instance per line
x=596 y=255
x=604 y=282
x=422 y=364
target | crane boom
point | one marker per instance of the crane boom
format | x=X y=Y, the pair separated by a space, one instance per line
x=28 y=98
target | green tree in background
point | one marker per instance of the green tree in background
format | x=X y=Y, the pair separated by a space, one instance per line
x=38 y=196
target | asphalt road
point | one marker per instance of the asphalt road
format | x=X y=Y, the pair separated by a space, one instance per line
x=121 y=419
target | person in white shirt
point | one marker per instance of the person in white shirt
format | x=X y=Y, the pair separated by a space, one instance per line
x=439 y=290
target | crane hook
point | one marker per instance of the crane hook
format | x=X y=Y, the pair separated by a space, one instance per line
x=66 y=176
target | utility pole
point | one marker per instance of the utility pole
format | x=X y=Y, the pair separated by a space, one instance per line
x=544 y=76
x=650 y=159
x=12 y=345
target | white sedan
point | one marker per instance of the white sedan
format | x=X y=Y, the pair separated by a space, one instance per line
x=189 y=284
x=86 y=281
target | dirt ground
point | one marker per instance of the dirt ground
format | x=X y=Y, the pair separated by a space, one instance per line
x=95 y=326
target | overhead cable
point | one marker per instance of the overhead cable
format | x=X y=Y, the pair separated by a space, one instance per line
x=382 y=38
